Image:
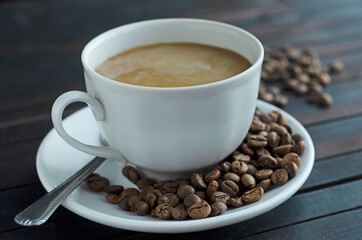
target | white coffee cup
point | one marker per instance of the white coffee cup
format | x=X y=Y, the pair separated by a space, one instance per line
x=167 y=132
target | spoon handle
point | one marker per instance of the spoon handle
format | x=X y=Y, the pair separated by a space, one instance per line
x=40 y=211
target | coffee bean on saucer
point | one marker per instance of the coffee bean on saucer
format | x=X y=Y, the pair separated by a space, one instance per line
x=218 y=208
x=263 y=174
x=198 y=182
x=213 y=186
x=153 y=213
x=257 y=141
x=141 y=208
x=169 y=198
x=279 y=177
x=257 y=126
x=169 y=187
x=291 y=157
x=113 y=189
x=123 y=204
x=245 y=148
x=212 y=175
x=299 y=148
x=151 y=199
x=144 y=182
x=131 y=173
x=261 y=152
x=236 y=201
x=267 y=162
x=112 y=198
x=233 y=176
x=199 y=210
x=241 y=157
x=239 y=167
x=265 y=184
x=132 y=200
x=128 y=192
x=219 y=197
x=185 y=190
x=297 y=138
x=97 y=183
x=191 y=199
x=273 y=139
x=248 y=181
x=179 y=212
x=292 y=169
x=201 y=194
x=251 y=170
x=253 y=195
x=283 y=149
x=164 y=211
x=230 y=187
x=226 y=166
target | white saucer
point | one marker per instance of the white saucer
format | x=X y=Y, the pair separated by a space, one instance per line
x=56 y=161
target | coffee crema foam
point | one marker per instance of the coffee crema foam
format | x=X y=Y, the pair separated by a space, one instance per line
x=173 y=65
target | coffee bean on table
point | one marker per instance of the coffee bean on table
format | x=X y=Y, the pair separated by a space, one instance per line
x=230 y=187
x=212 y=175
x=97 y=183
x=325 y=100
x=279 y=177
x=336 y=66
x=239 y=167
x=113 y=189
x=185 y=190
x=179 y=212
x=251 y=170
x=198 y=182
x=248 y=181
x=291 y=157
x=164 y=211
x=267 y=162
x=191 y=199
x=292 y=169
x=169 y=198
x=199 y=210
x=283 y=149
x=141 y=208
x=265 y=184
x=218 y=208
x=236 y=202
x=263 y=174
x=219 y=197
x=253 y=195
x=144 y=182
x=233 y=176
x=212 y=187
x=257 y=141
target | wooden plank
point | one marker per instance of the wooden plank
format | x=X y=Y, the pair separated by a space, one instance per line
x=304 y=206
x=346 y=225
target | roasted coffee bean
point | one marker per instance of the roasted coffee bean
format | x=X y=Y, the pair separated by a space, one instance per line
x=292 y=84
x=282 y=150
x=262 y=152
x=132 y=200
x=185 y=190
x=273 y=139
x=185 y=182
x=169 y=188
x=285 y=139
x=159 y=184
x=169 y=198
x=297 y=138
x=282 y=120
x=291 y=157
x=232 y=176
x=226 y=166
x=191 y=199
x=112 y=198
x=219 y=197
x=144 y=182
x=229 y=187
x=315 y=88
x=164 y=211
x=245 y=148
x=301 y=89
x=266 y=96
x=179 y=212
x=201 y=194
x=239 y=167
x=157 y=192
x=251 y=170
x=263 y=133
x=267 y=162
x=336 y=66
x=279 y=177
x=279 y=161
x=218 y=208
x=236 y=202
x=212 y=187
x=266 y=118
x=241 y=157
x=253 y=195
x=281 y=100
x=178 y=180
x=292 y=169
x=145 y=191
x=303 y=78
x=257 y=141
x=141 y=208
x=312 y=97
x=123 y=204
x=263 y=174
x=153 y=213
x=97 y=183
x=254 y=163
x=289 y=129
x=299 y=148
x=128 y=192
x=325 y=100
x=126 y=170
x=113 y=189
x=151 y=199
x=199 y=210
x=198 y=182
x=278 y=129
x=257 y=126
x=248 y=181
x=131 y=173
x=265 y=184
x=323 y=78
x=213 y=175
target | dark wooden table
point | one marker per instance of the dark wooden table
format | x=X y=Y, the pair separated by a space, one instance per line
x=40 y=46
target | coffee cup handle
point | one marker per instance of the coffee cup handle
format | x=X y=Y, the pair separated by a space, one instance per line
x=98 y=111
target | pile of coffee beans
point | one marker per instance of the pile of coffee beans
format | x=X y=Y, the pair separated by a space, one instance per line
x=298 y=71
x=269 y=155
